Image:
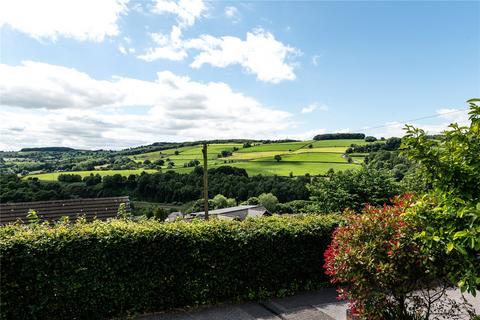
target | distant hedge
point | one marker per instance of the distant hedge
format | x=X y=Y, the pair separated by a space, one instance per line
x=106 y=269
x=335 y=136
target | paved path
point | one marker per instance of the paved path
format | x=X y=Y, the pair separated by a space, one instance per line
x=318 y=305
x=321 y=305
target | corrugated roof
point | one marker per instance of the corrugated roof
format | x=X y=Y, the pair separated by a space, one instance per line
x=101 y=208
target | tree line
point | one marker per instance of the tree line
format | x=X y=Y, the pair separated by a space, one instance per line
x=168 y=187
x=335 y=136
x=384 y=175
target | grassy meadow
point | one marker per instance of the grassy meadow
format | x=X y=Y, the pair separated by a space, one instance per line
x=53 y=176
x=297 y=158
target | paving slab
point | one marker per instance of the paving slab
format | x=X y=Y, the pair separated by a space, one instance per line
x=336 y=310
x=306 y=306
x=307 y=299
x=259 y=312
x=295 y=311
x=318 y=305
x=222 y=313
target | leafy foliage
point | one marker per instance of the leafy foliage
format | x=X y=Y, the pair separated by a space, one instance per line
x=389 y=144
x=381 y=267
x=395 y=162
x=220 y=201
x=335 y=136
x=352 y=189
x=158 y=187
x=105 y=269
x=450 y=214
x=69 y=178
x=269 y=201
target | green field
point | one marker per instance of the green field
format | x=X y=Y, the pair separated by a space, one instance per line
x=337 y=143
x=296 y=168
x=298 y=158
x=54 y=175
x=310 y=157
x=322 y=150
x=276 y=147
x=185 y=153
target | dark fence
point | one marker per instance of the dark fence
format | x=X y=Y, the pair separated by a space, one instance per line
x=100 y=208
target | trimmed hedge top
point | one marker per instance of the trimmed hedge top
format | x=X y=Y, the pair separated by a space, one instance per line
x=105 y=269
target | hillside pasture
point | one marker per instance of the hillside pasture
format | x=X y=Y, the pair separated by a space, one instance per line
x=311 y=157
x=53 y=176
x=322 y=150
x=276 y=147
x=337 y=143
x=255 y=155
x=297 y=168
x=297 y=158
x=185 y=153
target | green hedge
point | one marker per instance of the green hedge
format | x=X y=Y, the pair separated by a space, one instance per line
x=105 y=269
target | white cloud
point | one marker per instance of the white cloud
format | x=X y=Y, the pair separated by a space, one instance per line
x=232 y=13
x=41 y=85
x=314 y=106
x=170 y=47
x=446 y=116
x=315 y=60
x=122 y=49
x=187 y=11
x=55 y=105
x=49 y=19
x=459 y=116
x=260 y=53
x=306 y=135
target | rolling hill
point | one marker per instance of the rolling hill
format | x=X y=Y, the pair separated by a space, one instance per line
x=313 y=157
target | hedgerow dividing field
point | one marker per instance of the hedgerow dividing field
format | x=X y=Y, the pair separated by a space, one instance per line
x=297 y=158
x=54 y=175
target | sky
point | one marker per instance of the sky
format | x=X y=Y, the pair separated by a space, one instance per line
x=113 y=74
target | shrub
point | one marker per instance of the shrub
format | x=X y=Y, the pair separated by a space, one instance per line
x=225 y=153
x=269 y=201
x=220 y=201
x=251 y=201
x=198 y=205
x=92 y=180
x=297 y=206
x=333 y=136
x=451 y=212
x=191 y=163
x=352 y=189
x=66 y=177
x=370 y=139
x=159 y=162
x=106 y=269
x=382 y=266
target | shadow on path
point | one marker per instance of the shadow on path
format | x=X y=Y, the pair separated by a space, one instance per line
x=321 y=305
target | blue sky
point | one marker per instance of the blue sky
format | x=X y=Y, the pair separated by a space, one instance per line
x=123 y=73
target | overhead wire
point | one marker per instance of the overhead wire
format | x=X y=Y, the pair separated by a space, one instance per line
x=411 y=120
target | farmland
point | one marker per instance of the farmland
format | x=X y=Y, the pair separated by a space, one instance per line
x=53 y=176
x=297 y=158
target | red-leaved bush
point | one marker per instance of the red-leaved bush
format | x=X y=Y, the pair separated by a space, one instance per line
x=376 y=261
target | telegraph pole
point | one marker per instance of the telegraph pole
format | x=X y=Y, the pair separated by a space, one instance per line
x=205 y=181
